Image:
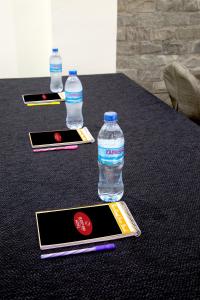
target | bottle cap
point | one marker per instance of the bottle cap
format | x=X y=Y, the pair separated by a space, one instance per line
x=110 y=116
x=72 y=72
x=55 y=49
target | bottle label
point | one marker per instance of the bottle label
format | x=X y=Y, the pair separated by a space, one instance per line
x=74 y=97
x=55 y=68
x=110 y=156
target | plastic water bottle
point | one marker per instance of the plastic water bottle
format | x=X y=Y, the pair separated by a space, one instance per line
x=56 y=84
x=110 y=159
x=74 y=101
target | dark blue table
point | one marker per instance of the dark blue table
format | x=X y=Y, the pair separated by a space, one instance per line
x=162 y=188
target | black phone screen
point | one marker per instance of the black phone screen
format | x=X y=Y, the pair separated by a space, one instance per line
x=59 y=227
x=41 y=97
x=55 y=137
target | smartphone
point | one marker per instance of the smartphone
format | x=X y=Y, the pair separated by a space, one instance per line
x=60 y=137
x=87 y=224
x=43 y=98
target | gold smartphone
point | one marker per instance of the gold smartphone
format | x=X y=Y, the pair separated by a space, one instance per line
x=43 y=98
x=86 y=224
x=60 y=138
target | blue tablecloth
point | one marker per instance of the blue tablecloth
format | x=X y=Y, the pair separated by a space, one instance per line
x=162 y=186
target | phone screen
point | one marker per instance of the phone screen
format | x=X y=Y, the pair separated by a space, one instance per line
x=41 y=97
x=65 y=226
x=54 y=137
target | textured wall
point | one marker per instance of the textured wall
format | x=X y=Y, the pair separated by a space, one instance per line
x=153 y=33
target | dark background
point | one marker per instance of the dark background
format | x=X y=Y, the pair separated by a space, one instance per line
x=162 y=186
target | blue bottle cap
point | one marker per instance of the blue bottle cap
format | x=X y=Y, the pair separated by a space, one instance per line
x=55 y=49
x=72 y=72
x=110 y=116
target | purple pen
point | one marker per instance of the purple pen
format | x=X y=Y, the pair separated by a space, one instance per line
x=72 y=147
x=80 y=251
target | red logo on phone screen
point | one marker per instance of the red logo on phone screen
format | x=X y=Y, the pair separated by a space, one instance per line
x=83 y=223
x=44 y=97
x=57 y=137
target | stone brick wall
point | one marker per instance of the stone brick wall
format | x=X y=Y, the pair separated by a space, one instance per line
x=152 y=34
